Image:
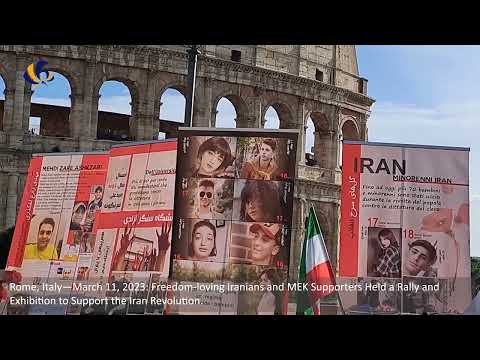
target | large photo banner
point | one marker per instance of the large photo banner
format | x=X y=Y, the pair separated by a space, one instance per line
x=233 y=218
x=404 y=233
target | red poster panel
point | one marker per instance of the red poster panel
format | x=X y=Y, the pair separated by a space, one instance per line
x=349 y=229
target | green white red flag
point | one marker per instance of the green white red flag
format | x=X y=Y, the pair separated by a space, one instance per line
x=315 y=268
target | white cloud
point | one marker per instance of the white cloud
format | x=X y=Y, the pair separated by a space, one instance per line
x=51 y=101
x=117 y=104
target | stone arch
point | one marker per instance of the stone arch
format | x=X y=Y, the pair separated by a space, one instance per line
x=181 y=88
x=322 y=137
x=284 y=112
x=271 y=120
x=349 y=129
x=75 y=87
x=135 y=101
x=52 y=119
x=169 y=112
x=238 y=103
x=129 y=83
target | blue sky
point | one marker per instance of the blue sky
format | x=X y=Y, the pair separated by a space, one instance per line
x=424 y=95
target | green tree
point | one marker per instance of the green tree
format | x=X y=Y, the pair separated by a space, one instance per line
x=475 y=268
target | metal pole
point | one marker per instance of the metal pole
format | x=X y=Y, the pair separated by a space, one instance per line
x=193 y=53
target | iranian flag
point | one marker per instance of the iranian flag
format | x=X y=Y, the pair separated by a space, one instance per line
x=315 y=268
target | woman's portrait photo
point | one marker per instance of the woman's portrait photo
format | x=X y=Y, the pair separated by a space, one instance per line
x=260 y=201
x=384 y=252
x=209 y=157
x=202 y=240
x=263 y=158
x=207 y=199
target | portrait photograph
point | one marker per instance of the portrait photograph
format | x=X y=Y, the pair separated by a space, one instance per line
x=42 y=235
x=384 y=252
x=260 y=158
x=262 y=201
x=207 y=198
x=207 y=157
x=259 y=244
x=421 y=258
x=202 y=240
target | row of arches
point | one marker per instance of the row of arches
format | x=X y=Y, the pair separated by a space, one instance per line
x=115 y=97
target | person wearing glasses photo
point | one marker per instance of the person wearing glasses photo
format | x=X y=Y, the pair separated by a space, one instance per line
x=205 y=201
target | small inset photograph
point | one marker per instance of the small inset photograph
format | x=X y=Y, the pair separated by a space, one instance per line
x=143 y=249
x=261 y=201
x=93 y=207
x=207 y=157
x=83 y=273
x=197 y=271
x=262 y=290
x=259 y=244
x=94 y=309
x=138 y=298
x=17 y=305
x=378 y=296
x=73 y=308
x=79 y=211
x=119 y=284
x=207 y=199
x=424 y=295
x=384 y=252
x=202 y=240
x=157 y=292
x=262 y=158
x=420 y=259
x=69 y=252
x=116 y=309
x=41 y=237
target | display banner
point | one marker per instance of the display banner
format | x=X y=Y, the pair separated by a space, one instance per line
x=233 y=218
x=56 y=222
x=132 y=247
x=404 y=233
x=93 y=234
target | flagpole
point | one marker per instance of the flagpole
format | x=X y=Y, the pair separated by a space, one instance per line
x=330 y=264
